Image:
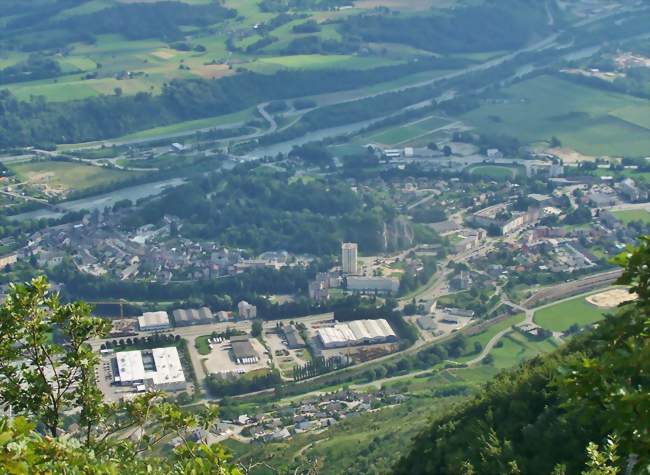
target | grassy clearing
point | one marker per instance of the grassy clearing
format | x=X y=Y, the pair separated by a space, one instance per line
x=583 y=118
x=484 y=337
x=67 y=176
x=201 y=344
x=316 y=61
x=632 y=215
x=191 y=125
x=576 y=311
x=517 y=348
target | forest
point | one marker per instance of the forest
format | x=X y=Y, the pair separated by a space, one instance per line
x=488 y=26
x=44 y=124
x=269 y=212
x=41 y=30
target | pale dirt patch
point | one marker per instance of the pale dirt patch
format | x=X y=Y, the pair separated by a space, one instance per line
x=164 y=53
x=211 y=71
x=570 y=156
x=611 y=298
x=412 y=5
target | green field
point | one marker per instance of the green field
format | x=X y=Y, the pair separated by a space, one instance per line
x=316 y=61
x=202 y=345
x=484 y=337
x=494 y=172
x=517 y=348
x=405 y=133
x=583 y=118
x=67 y=176
x=577 y=311
x=633 y=215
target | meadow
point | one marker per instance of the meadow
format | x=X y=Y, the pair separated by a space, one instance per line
x=68 y=176
x=576 y=311
x=591 y=121
x=628 y=216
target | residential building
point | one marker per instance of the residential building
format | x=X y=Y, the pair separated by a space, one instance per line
x=381 y=285
x=349 y=258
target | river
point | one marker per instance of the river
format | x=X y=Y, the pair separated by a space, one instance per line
x=100 y=202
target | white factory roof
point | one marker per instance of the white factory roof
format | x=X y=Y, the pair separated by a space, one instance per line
x=356 y=331
x=153 y=319
x=168 y=368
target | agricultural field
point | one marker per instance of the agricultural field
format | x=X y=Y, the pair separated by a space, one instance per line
x=272 y=64
x=591 y=121
x=576 y=311
x=62 y=177
x=115 y=63
x=632 y=215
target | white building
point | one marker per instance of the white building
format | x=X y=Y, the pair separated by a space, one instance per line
x=383 y=285
x=159 y=368
x=246 y=310
x=358 y=332
x=349 y=257
x=153 y=321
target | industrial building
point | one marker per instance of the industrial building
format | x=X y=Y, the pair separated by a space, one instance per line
x=154 y=321
x=349 y=257
x=243 y=351
x=192 y=316
x=294 y=340
x=159 y=368
x=358 y=332
x=381 y=285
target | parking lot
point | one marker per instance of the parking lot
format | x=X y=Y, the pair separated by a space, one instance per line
x=285 y=358
x=220 y=359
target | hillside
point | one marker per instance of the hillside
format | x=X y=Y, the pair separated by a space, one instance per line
x=541 y=417
x=83 y=70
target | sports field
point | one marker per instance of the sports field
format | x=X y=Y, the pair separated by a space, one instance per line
x=576 y=311
x=589 y=120
x=632 y=215
x=494 y=172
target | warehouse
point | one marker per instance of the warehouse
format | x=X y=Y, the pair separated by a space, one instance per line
x=358 y=332
x=294 y=339
x=192 y=316
x=159 y=368
x=243 y=351
x=154 y=321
